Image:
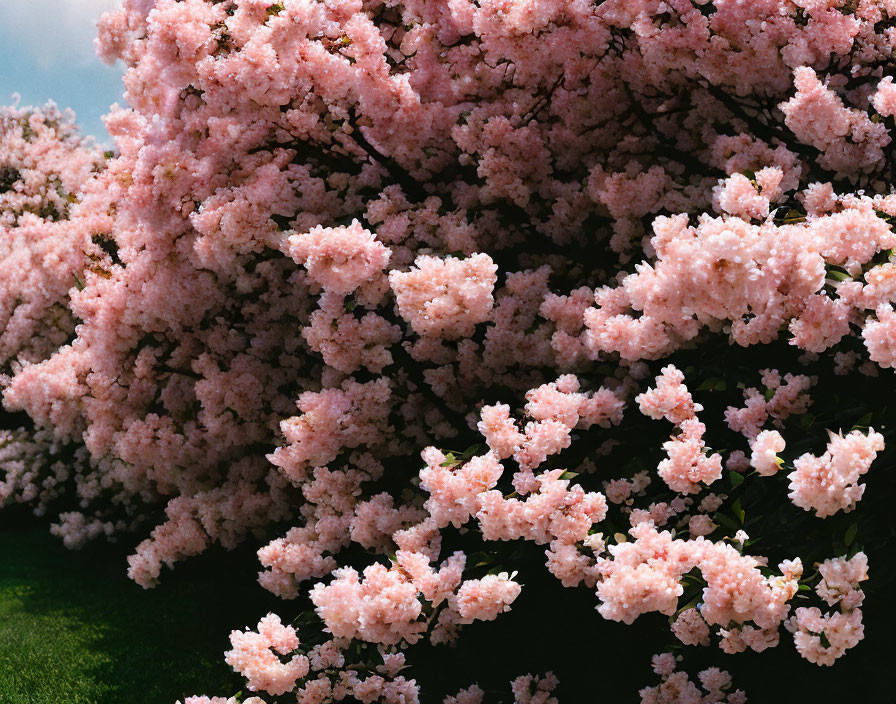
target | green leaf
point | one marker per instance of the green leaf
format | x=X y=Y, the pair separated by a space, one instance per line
x=715 y=383
x=738 y=511
x=850 y=534
x=689 y=605
x=806 y=420
x=838 y=275
x=471 y=451
x=864 y=421
x=736 y=479
x=726 y=521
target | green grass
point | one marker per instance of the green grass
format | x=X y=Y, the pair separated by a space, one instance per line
x=75 y=630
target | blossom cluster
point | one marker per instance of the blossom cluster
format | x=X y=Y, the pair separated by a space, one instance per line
x=46 y=167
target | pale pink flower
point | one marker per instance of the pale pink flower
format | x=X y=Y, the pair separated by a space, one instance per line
x=445 y=297
x=701 y=524
x=829 y=483
x=670 y=399
x=483 y=599
x=252 y=656
x=690 y=628
x=339 y=259
x=840 y=580
x=454 y=490
x=848 y=139
x=842 y=631
x=687 y=466
x=765 y=448
x=470 y=695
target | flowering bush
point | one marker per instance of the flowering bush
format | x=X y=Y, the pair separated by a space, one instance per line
x=586 y=276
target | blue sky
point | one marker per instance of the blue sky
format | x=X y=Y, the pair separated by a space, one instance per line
x=46 y=53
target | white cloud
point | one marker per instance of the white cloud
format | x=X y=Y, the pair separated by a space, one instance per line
x=54 y=31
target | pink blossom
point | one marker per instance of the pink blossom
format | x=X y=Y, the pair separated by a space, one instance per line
x=252 y=656
x=690 y=628
x=454 y=491
x=471 y=695
x=818 y=117
x=884 y=98
x=500 y=430
x=676 y=687
x=340 y=259
x=445 y=297
x=535 y=690
x=483 y=599
x=737 y=640
x=842 y=631
x=380 y=608
x=765 y=448
x=736 y=195
x=644 y=576
x=687 y=466
x=670 y=399
x=829 y=483
x=840 y=579
x=701 y=524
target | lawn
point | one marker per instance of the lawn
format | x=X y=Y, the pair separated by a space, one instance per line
x=75 y=630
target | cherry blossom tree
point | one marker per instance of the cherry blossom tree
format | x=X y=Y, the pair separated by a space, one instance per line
x=392 y=289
